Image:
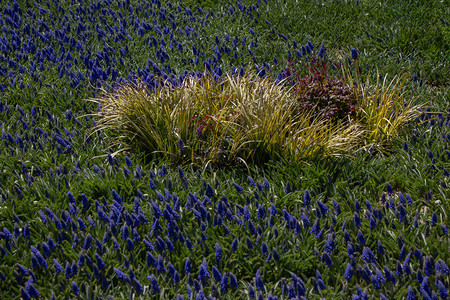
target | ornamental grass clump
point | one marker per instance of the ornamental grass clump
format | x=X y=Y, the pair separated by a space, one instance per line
x=221 y=121
x=381 y=109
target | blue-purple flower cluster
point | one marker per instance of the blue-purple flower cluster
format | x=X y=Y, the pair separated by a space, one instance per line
x=163 y=228
x=97 y=43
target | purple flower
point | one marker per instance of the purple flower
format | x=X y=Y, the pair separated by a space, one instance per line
x=233 y=280
x=266 y=183
x=376 y=283
x=348 y=272
x=249 y=244
x=128 y=162
x=68 y=273
x=389 y=276
x=444 y=229
x=321 y=284
x=46 y=249
x=122 y=276
x=350 y=250
x=24 y=294
x=124 y=232
x=58 y=267
x=327 y=259
x=71 y=197
x=401 y=199
x=357 y=220
x=238 y=188
x=442 y=267
x=251 y=292
x=223 y=283
x=187 y=265
x=354 y=54
x=428 y=266
x=367 y=255
x=154 y=283
x=399 y=270
x=337 y=207
x=160 y=268
x=234 y=245
x=409 y=199
x=410 y=295
x=218 y=252
x=176 y=277
x=138 y=286
x=424 y=286
x=87 y=242
x=75 y=288
x=323 y=208
x=442 y=290
x=180 y=144
x=360 y=237
x=100 y=263
x=346 y=236
x=379 y=275
x=388 y=185
x=203 y=271
x=181 y=172
x=85 y=202
x=32 y=291
x=259 y=282
x=216 y=274
x=316 y=227
x=151 y=261
x=306 y=198
x=380 y=248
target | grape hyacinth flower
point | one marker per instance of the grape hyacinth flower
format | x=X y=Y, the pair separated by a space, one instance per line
x=361 y=238
x=442 y=290
x=323 y=208
x=389 y=189
x=367 y=255
x=75 y=288
x=348 y=272
x=216 y=274
x=380 y=248
x=410 y=295
x=223 y=284
x=357 y=220
x=218 y=252
x=234 y=245
x=122 y=276
x=337 y=207
x=425 y=287
x=203 y=271
x=433 y=219
x=428 y=266
x=259 y=282
x=354 y=54
x=306 y=198
x=442 y=267
x=58 y=267
x=233 y=280
x=238 y=188
x=154 y=284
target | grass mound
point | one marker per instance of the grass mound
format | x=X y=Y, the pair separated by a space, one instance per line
x=250 y=118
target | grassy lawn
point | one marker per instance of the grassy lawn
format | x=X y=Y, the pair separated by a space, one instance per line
x=258 y=202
